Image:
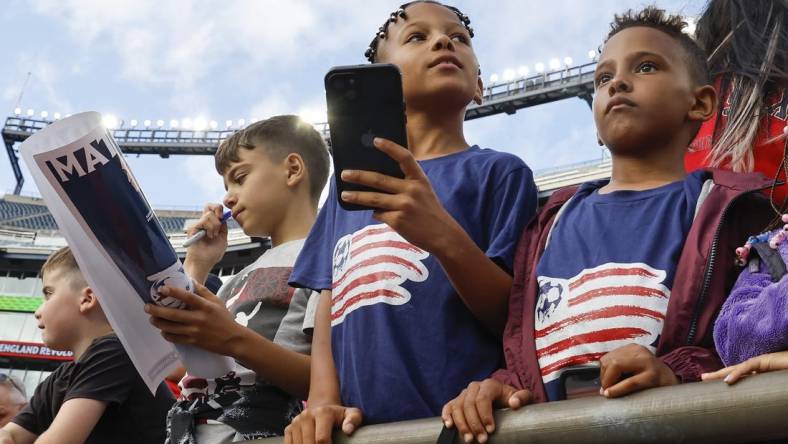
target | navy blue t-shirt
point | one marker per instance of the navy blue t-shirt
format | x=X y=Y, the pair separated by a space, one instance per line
x=606 y=274
x=403 y=341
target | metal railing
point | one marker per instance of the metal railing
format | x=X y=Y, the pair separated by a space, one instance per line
x=754 y=409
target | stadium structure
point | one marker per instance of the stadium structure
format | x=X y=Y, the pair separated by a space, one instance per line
x=28 y=232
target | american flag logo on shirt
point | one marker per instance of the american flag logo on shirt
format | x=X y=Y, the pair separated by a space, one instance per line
x=370 y=266
x=580 y=319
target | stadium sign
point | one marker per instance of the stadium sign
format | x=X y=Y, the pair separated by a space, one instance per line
x=32 y=350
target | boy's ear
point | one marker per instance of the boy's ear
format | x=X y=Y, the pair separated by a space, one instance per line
x=705 y=104
x=87 y=300
x=477 y=96
x=296 y=169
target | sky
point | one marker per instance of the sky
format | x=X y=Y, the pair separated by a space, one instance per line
x=244 y=59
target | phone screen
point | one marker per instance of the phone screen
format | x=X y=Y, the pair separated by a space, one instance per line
x=580 y=382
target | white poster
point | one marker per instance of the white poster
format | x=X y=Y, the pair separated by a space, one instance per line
x=116 y=238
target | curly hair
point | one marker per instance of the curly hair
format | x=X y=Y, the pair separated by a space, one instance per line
x=672 y=25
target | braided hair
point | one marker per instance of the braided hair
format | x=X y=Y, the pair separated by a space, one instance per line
x=372 y=51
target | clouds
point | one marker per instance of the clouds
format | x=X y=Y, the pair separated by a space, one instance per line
x=234 y=59
x=178 y=44
x=200 y=171
x=545 y=136
x=511 y=33
x=190 y=56
x=44 y=76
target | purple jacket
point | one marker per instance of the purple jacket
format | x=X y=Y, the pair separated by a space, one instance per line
x=754 y=319
x=729 y=211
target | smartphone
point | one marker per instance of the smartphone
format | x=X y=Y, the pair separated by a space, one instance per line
x=580 y=382
x=364 y=102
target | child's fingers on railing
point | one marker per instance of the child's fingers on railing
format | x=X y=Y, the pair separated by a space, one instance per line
x=352 y=420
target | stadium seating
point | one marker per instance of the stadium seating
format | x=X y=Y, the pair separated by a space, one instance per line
x=29 y=213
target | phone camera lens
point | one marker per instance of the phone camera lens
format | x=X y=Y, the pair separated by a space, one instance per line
x=343 y=82
x=338 y=83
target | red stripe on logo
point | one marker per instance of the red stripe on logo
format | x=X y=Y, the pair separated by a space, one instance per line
x=623 y=290
x=361 y=296
x=365 y=279
x=610 y=334
x=602 y=313
x=371 y=232
x=572 y=360
x=378 y=260
x=385 y=244
x=611 y=272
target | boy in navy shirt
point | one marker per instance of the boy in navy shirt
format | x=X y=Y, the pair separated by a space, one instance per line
x=622 y=278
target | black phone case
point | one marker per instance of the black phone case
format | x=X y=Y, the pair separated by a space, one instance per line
x=364 y=101
x=580 y=381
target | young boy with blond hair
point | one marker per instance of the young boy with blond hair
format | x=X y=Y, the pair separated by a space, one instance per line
x=98 y=397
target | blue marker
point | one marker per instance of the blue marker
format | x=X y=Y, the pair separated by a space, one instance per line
x=201 y=234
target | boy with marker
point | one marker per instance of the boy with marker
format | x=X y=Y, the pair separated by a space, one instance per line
x=274 y=171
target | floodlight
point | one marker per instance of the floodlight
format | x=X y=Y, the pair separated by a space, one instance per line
x=109 y=121
x=200 y=124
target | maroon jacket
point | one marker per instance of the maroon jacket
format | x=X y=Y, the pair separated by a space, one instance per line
x=730 y=213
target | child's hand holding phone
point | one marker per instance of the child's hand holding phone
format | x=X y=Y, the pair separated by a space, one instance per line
x=408 y=205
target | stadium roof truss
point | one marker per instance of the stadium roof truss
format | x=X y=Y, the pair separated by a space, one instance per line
x=504 y=97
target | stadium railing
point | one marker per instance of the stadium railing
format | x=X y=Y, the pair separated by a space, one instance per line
x=753 y=410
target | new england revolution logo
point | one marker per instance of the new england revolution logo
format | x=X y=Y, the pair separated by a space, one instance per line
x=600 y=309
x=370 y=267
x=174 y=276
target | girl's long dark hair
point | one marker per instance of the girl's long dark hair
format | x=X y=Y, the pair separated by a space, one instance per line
x=747 y=45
